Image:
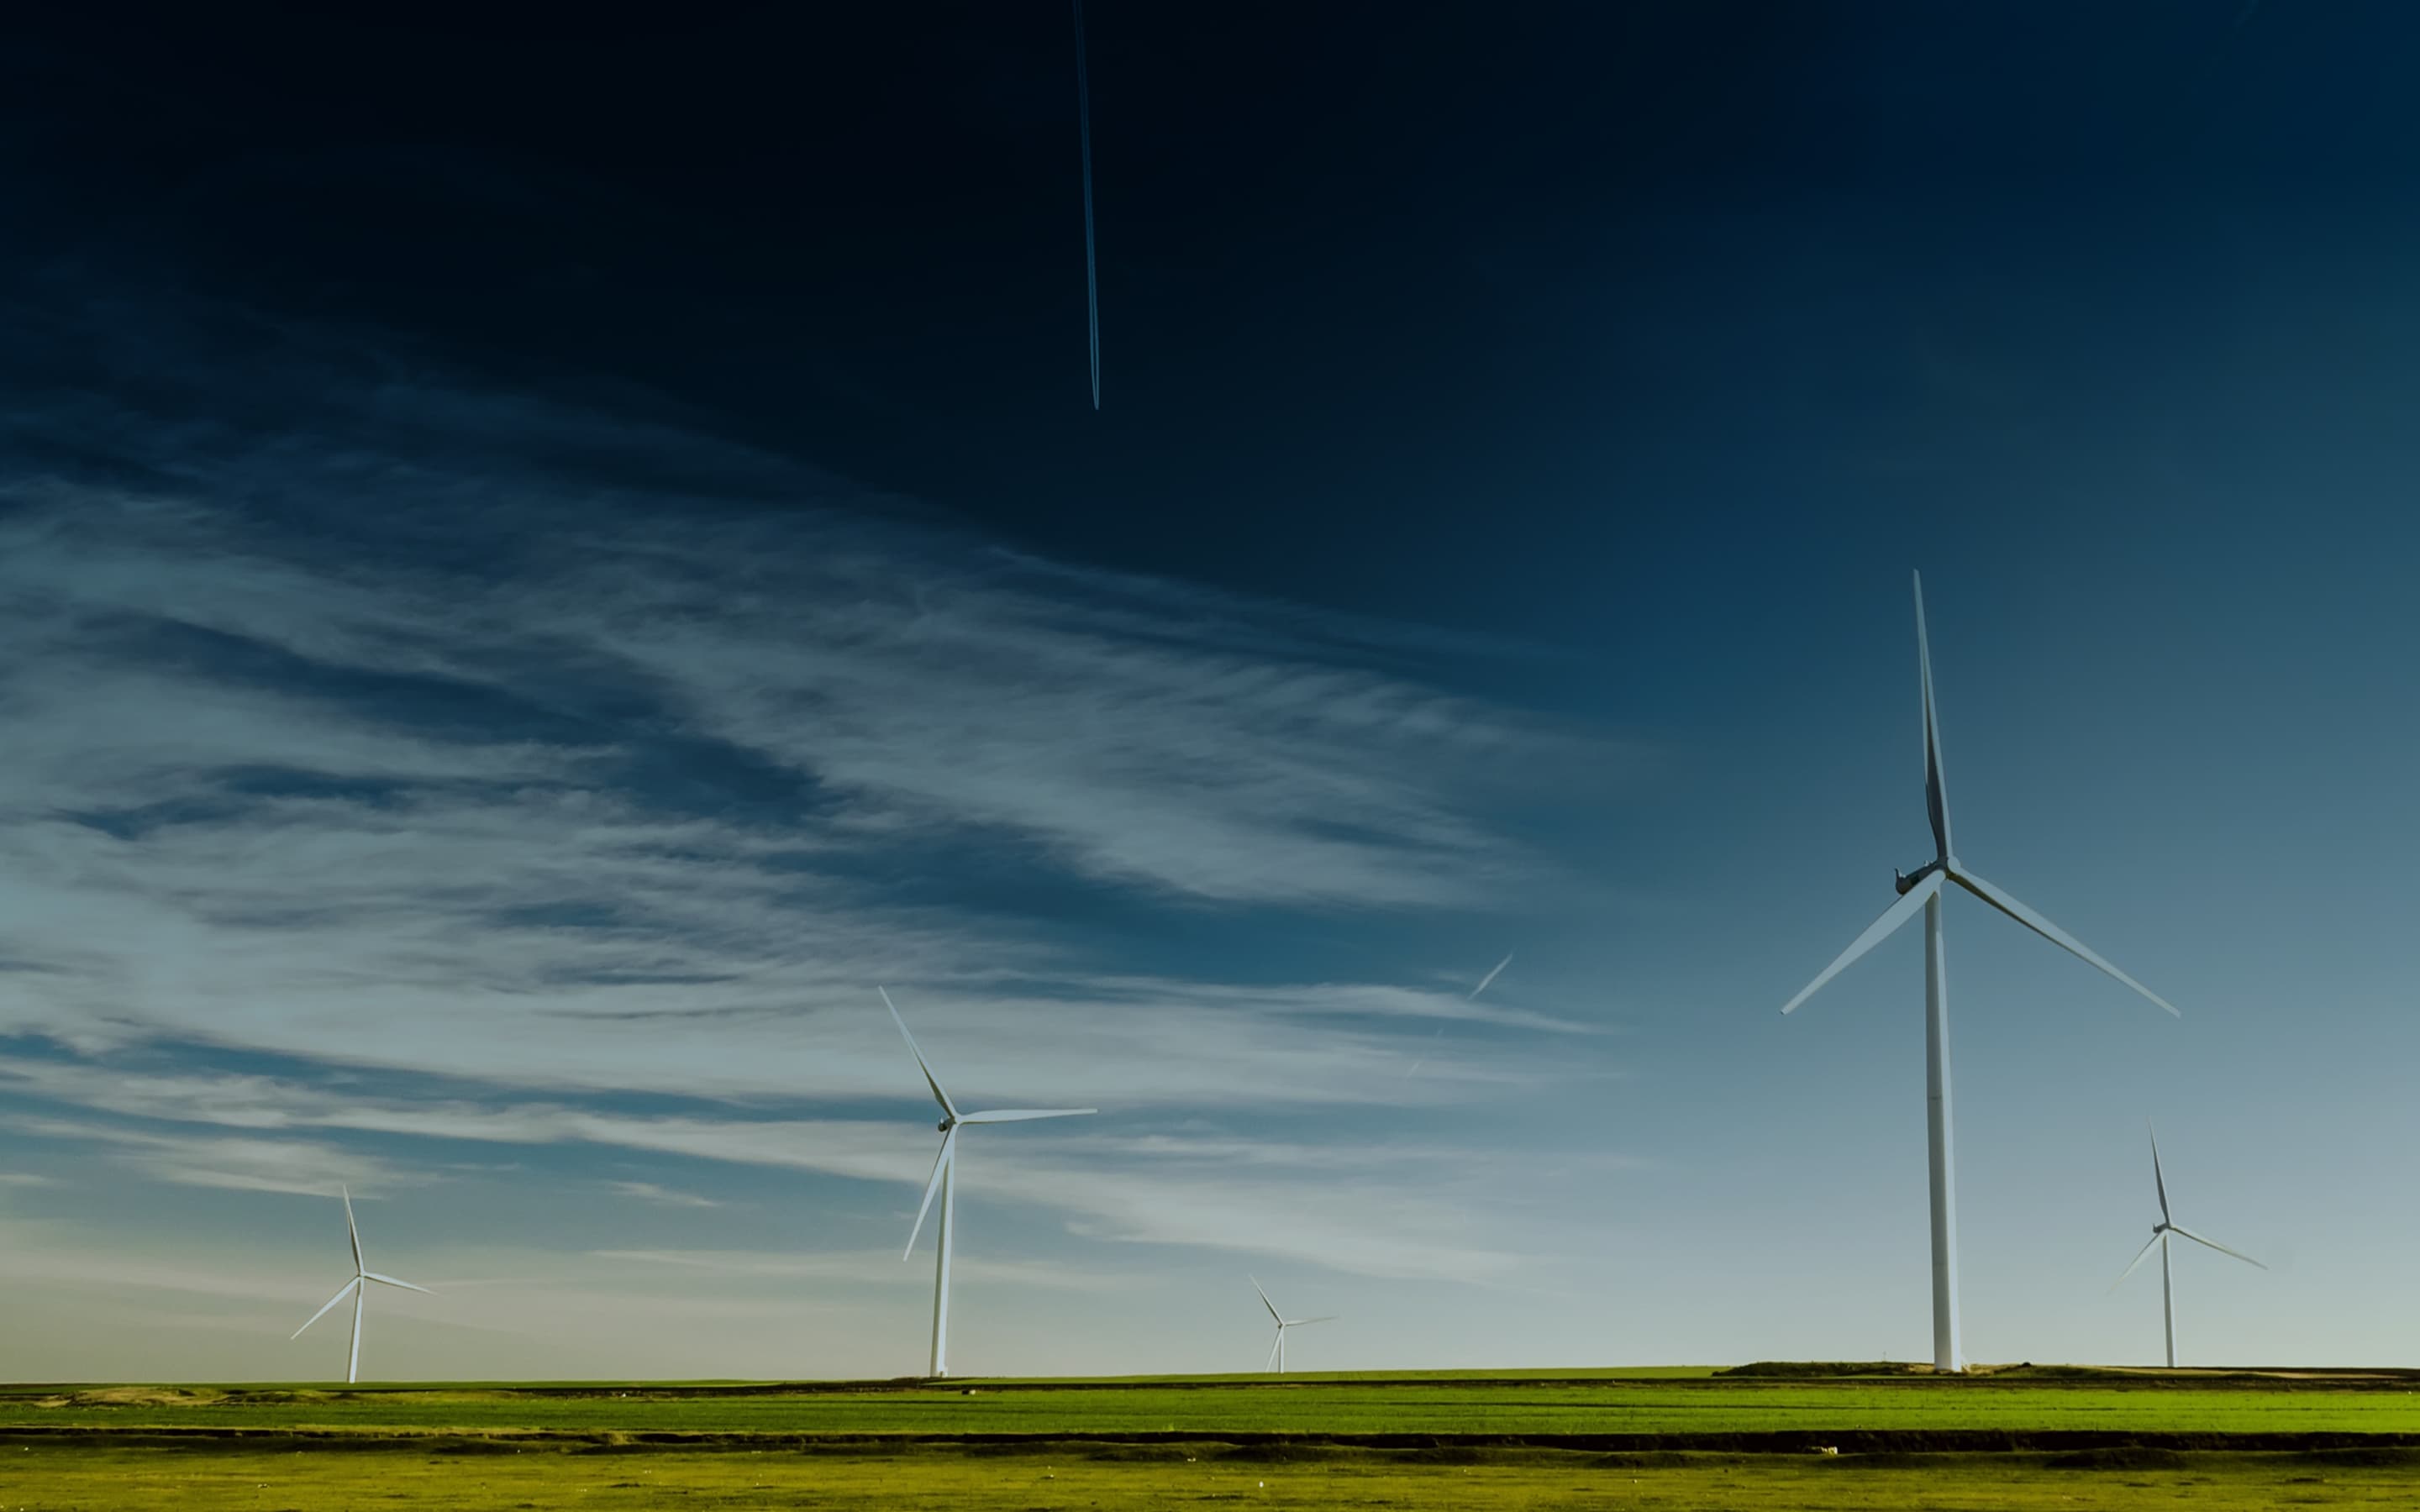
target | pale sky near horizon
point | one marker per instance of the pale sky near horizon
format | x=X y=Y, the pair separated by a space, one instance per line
x=515 y=637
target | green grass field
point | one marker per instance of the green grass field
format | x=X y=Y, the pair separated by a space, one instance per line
x=1674 y=1439
x=1699 y=1407
x=87 y=1479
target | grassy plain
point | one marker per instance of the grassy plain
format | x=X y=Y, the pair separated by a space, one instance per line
x=1677 y=1440
x=87 y=1479
x=2009 y=1408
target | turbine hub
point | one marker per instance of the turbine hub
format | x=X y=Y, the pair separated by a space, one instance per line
x=944 y=1126
x=1904 y=881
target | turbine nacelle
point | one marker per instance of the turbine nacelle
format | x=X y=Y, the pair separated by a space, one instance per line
x=1901 y=882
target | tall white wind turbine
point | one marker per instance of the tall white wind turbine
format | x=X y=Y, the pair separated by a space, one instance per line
x=1277 y=1350
x=357 y=1287
x=1921 y=891
x=2159 y=1232
x=943 y=1167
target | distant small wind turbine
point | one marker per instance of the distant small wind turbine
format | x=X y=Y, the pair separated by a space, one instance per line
x=357 y=1287
x=1277 y=1350
x=943 y=1165
x=2159 y=1232
x=1922 y=891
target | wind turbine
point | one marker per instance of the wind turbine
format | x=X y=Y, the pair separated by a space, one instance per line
x=943 y=1165
x=1922 y=891
x=358 y=1287
x=2159 y=1232
x=1277 y=1350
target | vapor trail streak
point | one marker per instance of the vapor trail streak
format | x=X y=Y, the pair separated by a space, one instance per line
x=1490 y=977
x=1472 y=998
x=1084 y=133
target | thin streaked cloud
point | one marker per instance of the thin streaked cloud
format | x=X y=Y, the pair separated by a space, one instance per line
x=451 y=783
x=664 y=1196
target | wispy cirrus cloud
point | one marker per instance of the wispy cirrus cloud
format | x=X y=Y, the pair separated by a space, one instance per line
x=1374 y=1208
x=652 y=769
x=522 y=780
x=869 y=1268
x=231 y=1162
x=662 y=1196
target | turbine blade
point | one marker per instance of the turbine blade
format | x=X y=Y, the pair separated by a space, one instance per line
x=1271 y=1363
x=1893 y=917
x=2211 y=1244
x=1490 y=975
x=2157 y=1180
x=1022 y=1114
x=1265 y=1300
x=1323 y=1318
x=351 y=1231
x=342 y=1292
x=930 y=1080
x=940 y=1164
x=390 y=1281
x=2051 y=932
x=2140 y=1256
x=1936 y=795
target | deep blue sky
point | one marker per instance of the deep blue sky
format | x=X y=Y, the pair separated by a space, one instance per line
x=546 y=557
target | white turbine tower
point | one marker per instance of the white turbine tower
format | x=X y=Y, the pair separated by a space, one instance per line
x=1922 y=891
x=356 y=1287
x=943 y=1165
x=2159 y=1232
x=1277 y=1350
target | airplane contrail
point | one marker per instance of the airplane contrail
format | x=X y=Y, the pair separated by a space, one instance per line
x=1092 y=274
x=1472 y=998
x=1490 y=977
